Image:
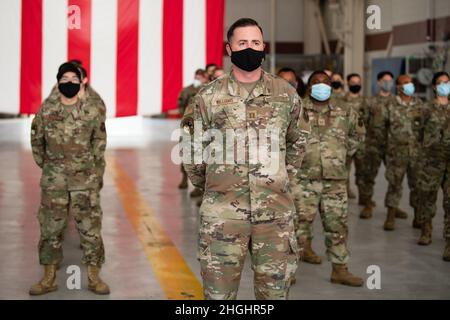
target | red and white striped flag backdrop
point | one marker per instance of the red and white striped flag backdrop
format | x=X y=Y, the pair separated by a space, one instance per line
x=138 y=53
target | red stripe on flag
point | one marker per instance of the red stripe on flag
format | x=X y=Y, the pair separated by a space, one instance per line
x=172 y=53
x=79 y=40
x=127 y=57
x=215 y=11
x=31 y=57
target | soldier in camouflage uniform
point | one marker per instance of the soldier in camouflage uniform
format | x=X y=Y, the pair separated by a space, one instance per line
x=247 y=205
x=435 y=168
x=68 y=140
x=185 y=96
x=336 y=133
x=404 y=129
x=376 y=140
x=357 y=102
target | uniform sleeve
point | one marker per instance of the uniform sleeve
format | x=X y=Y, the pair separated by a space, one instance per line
x=297 y=138
x=99 y=142
x=357 y=133
x=193 y=125
x=181 y=102
x=430 y=134
x=38 y=139
x=364 y=112
x=423 y=108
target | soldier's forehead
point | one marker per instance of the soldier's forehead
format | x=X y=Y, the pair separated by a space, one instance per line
x=70 y=74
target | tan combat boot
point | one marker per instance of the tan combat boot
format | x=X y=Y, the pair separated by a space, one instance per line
x=341 y=275
x=367 y=211
x=95 y=283
x=446 y=255
x=350 y=193
x=47 y=283
x=389 y=224
x=425 y=237
x=196 y=193
x=363 y=202
x=309 y=256
x=400 y=214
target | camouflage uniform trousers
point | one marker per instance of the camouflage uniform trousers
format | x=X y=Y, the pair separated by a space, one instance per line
x=53 y=214
x=329 y=198
x=434 y=174
x=223 y=246
x=367 y=169
x=400 y=161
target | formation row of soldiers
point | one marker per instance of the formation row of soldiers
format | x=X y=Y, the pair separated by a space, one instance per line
x=411 y=138
x=248 y=209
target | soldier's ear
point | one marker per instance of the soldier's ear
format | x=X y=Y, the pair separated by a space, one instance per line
x=228 y=48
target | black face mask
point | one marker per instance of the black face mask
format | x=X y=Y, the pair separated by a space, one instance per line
x=247 y=59
x=355 y=88
x=69 y=89
x=336 y=84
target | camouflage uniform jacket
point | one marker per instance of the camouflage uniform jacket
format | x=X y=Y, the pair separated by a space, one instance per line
x=245 y=190
x=359 y=104
x=376 y=119
x=404 y=125
x=336 y=133
x=436 y=129
x=68 y=143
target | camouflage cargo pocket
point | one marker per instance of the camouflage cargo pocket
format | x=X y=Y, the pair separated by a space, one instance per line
x=94 y=199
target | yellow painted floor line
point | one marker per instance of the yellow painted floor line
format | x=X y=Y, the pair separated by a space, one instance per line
x=174 y=274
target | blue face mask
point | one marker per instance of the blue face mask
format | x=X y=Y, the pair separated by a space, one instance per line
x=320 y=91
x=409 y=89
x=443 y=89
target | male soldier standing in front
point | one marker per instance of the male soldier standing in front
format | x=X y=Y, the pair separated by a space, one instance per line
x=247 y=205
x=376 y=140
x=68 y=140
x=336 y=134
x=404 y=129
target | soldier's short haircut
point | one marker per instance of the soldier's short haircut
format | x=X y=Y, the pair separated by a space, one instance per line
x=437 y=75
x=286 y=69
x=351 y=75
x=316 y=73
x=397 y=81
x=383 y=73
x=199 y=72
x=243 y=22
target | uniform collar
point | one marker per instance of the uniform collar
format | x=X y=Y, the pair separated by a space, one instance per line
x=403 y=103
x=262 y=87
x=308 y=105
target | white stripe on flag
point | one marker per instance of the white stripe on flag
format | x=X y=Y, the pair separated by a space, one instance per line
x=194 y=38
x=54 y=41
x=104 y=51
x=150 y=57
x=10 y=27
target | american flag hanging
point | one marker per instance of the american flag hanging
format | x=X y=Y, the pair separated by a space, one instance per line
x=138 y=53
